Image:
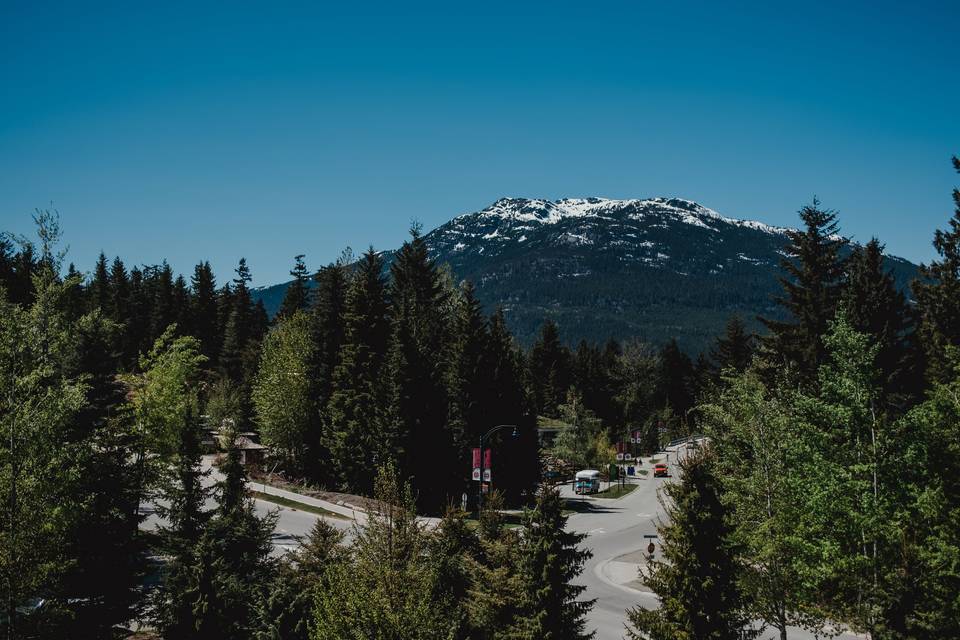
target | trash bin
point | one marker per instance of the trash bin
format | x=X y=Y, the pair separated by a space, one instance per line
x=631 y=470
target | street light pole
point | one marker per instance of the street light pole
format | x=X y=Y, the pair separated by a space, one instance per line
x=482 y=438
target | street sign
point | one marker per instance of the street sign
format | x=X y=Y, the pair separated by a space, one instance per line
x=651 y=548
x=476 y=464
x=463 y=502
x=486 y=475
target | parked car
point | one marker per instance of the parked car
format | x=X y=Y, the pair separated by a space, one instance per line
x=660 y=470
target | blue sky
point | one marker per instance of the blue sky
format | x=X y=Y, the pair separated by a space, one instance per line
x=270 y=129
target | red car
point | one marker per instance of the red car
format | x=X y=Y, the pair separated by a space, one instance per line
x=660 y=470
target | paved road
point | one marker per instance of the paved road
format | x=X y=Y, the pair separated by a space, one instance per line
x=291 y=523
x=615 y=528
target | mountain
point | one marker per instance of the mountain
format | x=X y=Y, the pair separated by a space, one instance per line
x=653 y=269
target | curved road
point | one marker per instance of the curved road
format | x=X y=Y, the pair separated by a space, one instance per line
x=615 y=528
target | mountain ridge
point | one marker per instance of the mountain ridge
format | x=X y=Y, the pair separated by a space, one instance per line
x=602 y=268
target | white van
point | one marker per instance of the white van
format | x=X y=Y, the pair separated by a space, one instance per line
x=587 y=481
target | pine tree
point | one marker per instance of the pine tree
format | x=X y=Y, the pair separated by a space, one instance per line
x=232 y=560
x=516 y=464
x=675 y=386
x=237 y=330
x=297 y=296
x=497 y=586
x=286 y=611
x=353 y=429
x=386 y=589
x=696 y=583
x=327 y=328
x=136 y=339
x=549 y=561
x=470 y=385
x=173 y=605
x=162 y=312
x=811 y=291
x=549 y=370
x=418 y=357
x=119 y=308
x=938 y=295
x=204 y=312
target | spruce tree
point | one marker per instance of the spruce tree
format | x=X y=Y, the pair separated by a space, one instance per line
x=734 y=349
x=354 y=431
x=874 y=306
x=696 y=582
x=297 y=296
x=100 y=285
x=549 y=561
x=938 y=295
x=811 y=291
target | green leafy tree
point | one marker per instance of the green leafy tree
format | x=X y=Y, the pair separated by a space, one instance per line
x=283 y=396
x=858 y=510
x=760 y=454
x=37 y=405
x=697 y=580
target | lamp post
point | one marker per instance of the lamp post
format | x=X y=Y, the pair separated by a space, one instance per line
x=486 y=436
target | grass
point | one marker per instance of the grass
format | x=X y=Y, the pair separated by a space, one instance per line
x=616 y=491
x=293 y=504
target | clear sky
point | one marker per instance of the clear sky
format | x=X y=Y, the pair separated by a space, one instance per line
x=187 y=132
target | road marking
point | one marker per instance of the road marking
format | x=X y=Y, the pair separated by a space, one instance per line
x=643 y=515
x=596 y=531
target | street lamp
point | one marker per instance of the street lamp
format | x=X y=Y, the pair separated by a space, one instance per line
x=486 y=436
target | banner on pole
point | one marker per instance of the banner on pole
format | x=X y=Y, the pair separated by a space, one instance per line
x=476 y=464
